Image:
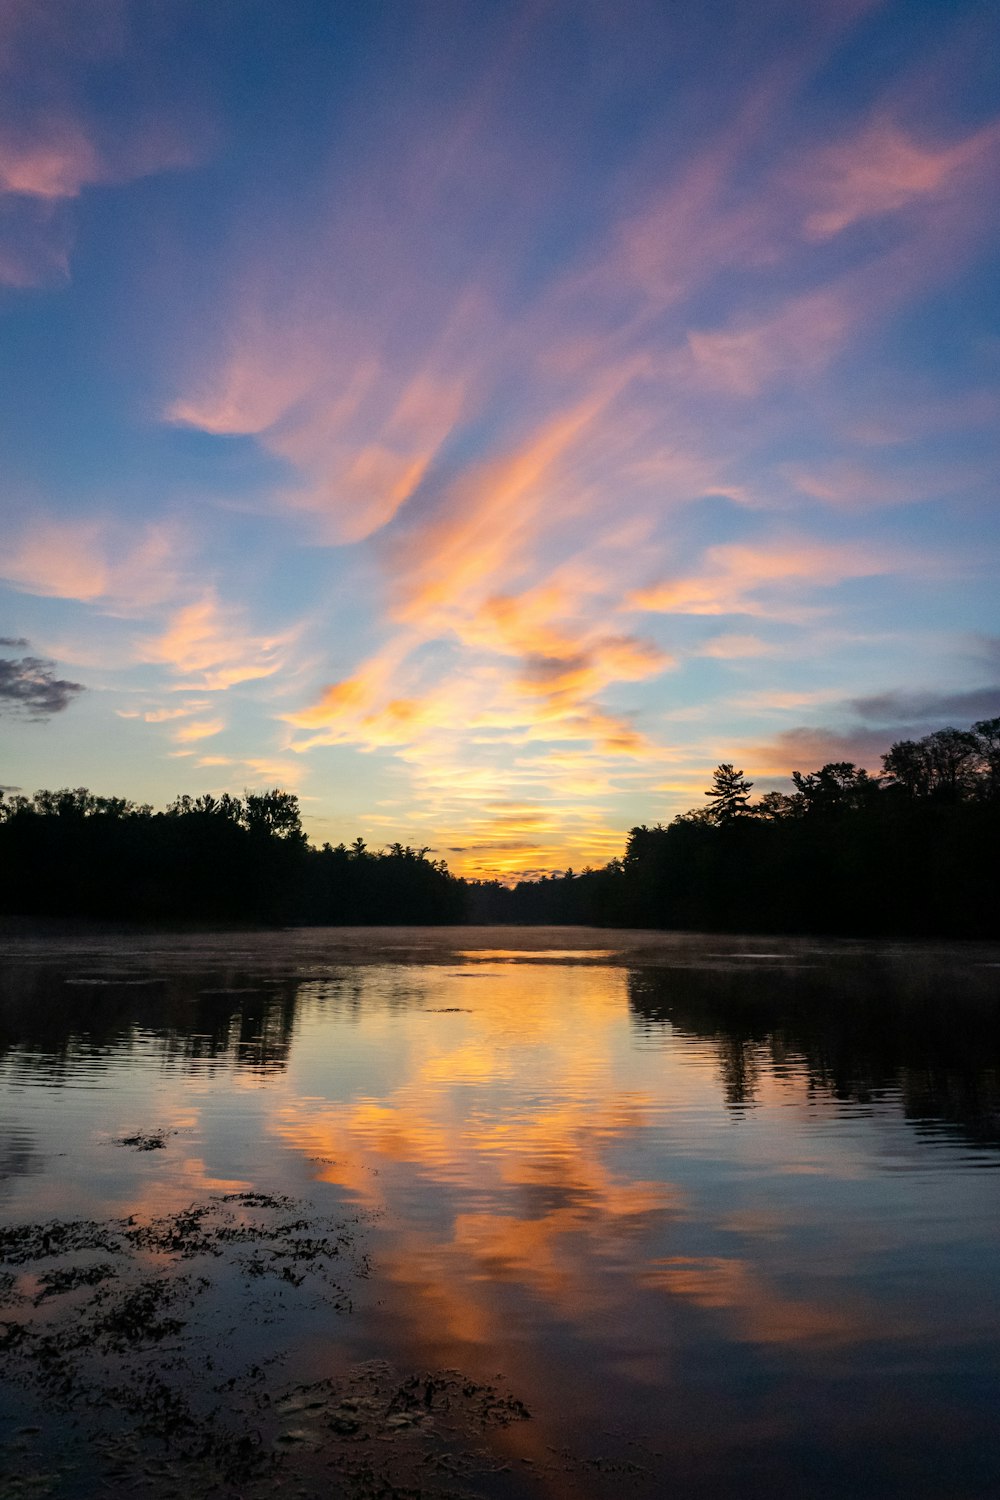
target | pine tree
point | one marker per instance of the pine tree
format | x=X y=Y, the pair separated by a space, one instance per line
x=730 y=792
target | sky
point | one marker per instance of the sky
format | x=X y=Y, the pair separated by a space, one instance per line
x=483 y=418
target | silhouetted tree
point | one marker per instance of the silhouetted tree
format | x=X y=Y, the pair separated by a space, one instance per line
x=730 y=793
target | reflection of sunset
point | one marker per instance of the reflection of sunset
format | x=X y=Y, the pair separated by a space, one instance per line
x=515 y=1117
x=758 y=1312
x=692 y=1215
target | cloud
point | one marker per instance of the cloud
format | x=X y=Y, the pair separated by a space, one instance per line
x=208 y=645
x=736 y=575
x=263 y=769
x=55 y=146
x=184 y=711
x=882 y=170
x=44 y=168
x=526 y=388
x=54 y=163
x=895 y=708
x=885 y=718
x=797 y=340
x=734 y=647
x=850 y=484
x=94 y=560
x=28 y=685
x=361 y=444
x=808 y=747
x=198 y=729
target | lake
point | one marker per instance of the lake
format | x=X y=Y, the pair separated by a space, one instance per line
x=498 y=1212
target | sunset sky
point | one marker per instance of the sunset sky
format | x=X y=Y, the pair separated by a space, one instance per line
x=481 y=418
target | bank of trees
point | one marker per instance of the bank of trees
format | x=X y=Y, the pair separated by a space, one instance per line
x=914 y=851
x=205 y=859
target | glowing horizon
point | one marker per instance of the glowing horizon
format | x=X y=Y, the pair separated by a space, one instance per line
x=483 y=422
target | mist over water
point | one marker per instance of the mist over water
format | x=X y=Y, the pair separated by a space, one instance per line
x=719 y=1213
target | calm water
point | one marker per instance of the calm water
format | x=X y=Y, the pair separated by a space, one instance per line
x=721 y=1214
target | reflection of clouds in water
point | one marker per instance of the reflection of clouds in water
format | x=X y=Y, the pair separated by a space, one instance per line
x=504 y=1160
x=556 y=1155
x=757 y=1312
x=506 y=1121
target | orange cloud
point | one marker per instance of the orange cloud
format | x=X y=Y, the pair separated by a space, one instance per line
x=734 y=575
x=199 y=729
x=360 y=424
x=758 y=1312
x=206 y=644
x=518 y=462
x=163 y=715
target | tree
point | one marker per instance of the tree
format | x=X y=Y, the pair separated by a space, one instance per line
x=777 y=805
x=838 y=787
x=730 y=792
x=274 y=814
x=987 y=733
x=943 y=765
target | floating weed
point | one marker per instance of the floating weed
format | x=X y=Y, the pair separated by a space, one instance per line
x=155 y=1140
x=141 y=1337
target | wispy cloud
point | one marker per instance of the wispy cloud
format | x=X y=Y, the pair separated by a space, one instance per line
x=735 y=578
x=208 y=646
x=198 y=729
x=883 y=169
x=93 y=560
x=53 y=146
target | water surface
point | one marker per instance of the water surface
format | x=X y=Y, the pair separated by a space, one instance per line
x=500 y=1212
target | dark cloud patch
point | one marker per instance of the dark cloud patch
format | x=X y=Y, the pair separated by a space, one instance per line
x=933 y=709
x=28 y=685
x=884 y=719
x=491 y=847
x=809 y=746
x=12 y=640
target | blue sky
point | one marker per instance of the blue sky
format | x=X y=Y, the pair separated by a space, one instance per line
x=483 y=419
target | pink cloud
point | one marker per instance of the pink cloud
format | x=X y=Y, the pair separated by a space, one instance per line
x=57 y=164
x=801 y=337
x=94 y=560
x=882 y=170
x=807 y=748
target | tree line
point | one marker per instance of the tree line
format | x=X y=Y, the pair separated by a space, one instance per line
x=911 y=851
x=914 y=851
x=206 y=859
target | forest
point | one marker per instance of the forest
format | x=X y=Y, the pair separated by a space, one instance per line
x=912 y=851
